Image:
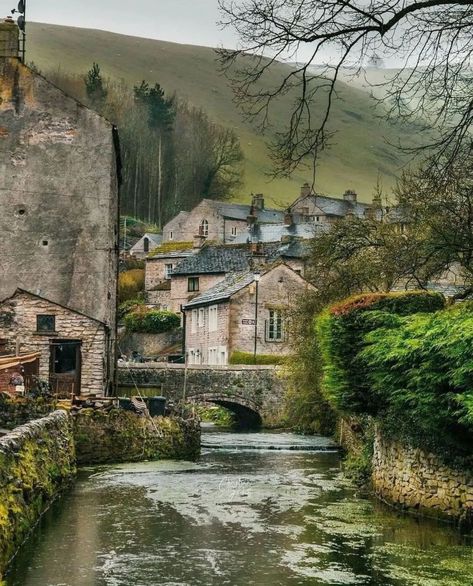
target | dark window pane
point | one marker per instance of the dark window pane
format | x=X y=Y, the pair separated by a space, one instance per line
x=45 y=323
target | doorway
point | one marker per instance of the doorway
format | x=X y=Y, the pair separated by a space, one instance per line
x=65 y=368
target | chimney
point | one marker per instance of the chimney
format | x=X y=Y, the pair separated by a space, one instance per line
x=258 y=202
x=288 y=219
x=350 y=195
x=9 y=39
x=306 y=190
x=257 y=249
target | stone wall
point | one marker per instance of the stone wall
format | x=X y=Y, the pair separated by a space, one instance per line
x=419 y=481
x=37 y=461
x=122 y=436
x=180 y=294
x=18 y=411
x=260 y=388
x=200 y=339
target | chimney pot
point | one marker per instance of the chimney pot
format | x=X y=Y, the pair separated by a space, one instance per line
x=258 y=202
x=306 y=190
x=350 y=195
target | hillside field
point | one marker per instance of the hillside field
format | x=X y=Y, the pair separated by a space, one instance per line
x=362 y=149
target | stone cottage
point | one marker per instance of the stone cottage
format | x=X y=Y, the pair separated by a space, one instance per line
x=145 y=245
x=59 y=164
x=74 y=349
x=219 y=221
x=246 y=312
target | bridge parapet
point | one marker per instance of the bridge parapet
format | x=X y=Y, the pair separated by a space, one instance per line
x=260 y=388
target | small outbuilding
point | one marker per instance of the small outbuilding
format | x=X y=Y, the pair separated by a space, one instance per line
x=74 y=350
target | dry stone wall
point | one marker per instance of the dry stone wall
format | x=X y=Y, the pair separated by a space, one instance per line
x=37 y=461
x=418 y=480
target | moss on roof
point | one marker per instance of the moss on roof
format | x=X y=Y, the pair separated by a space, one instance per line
x=170 y=247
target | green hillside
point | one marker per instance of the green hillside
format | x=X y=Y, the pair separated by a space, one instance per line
x=360 y=152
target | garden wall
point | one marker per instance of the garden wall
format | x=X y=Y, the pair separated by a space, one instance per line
x=37 y=461
x=416 y=479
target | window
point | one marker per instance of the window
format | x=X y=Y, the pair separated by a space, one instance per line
x=213 y=356
x=274 y=326
x=201 y=318
x=191 y=356
x=167 y=271
x=213 y=318
x=194 y=321
x=204 y=228
x=170 y=235
x=222 y=355
x=146 y=245
x=45 y=323
x=234 y=231
x=317 y=218
x=193 y=284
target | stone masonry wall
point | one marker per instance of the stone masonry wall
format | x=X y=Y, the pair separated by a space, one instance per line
x=37 y=461
x=200 y=338
x=18 y=322
x=417 y=480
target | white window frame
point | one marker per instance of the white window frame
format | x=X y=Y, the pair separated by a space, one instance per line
x=167 y=270
x=194 y=317
x=275 y=326
x=190 y=356
x=201 y=318
x=213 y=318
x=222 y=358
x=171 y=236
x=204 y=228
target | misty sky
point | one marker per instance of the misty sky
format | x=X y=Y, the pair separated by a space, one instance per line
x=182 y=21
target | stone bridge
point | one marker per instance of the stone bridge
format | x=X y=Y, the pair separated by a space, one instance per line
x=254 y=393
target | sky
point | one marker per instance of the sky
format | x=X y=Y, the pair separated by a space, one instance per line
x=192 y=22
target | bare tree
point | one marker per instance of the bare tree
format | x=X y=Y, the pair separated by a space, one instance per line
x=432 y=39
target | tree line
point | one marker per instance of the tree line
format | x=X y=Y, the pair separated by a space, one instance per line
x=173 y=154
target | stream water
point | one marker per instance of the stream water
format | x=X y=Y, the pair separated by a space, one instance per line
x=256 y=509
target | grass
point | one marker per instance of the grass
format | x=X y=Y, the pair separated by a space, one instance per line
x=360 y=154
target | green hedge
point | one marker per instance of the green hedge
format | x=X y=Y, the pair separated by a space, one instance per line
x=238 y=357
x=341 y=330
x=149 y=321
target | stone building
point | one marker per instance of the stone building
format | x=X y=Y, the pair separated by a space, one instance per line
x=219 y=221
x=322 y=209
x=58 y=192
x=73 y=348
x=247 y=310
x=145 y=245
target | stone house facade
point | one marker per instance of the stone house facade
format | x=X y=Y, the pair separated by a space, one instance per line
x=242 y=312
x=219 y=221
x=74 y=349
x=59 y=175
x=145 y=245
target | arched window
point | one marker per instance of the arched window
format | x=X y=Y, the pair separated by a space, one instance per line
x=204 y=228
x=146 y=245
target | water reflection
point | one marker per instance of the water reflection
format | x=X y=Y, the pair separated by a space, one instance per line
x=237 y=517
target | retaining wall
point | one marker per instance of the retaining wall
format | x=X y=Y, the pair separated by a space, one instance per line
x=37 y=461
x=419 y=481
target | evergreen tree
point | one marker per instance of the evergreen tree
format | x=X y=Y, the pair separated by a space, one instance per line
x=94 y=86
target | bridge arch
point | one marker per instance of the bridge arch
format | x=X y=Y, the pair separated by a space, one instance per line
x=247 y=413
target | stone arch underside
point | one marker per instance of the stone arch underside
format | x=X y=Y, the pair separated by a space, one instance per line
x=247 y=412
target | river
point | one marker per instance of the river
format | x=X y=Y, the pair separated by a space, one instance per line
x=257 y=509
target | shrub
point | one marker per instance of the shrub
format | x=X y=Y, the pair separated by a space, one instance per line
x=128 y=306
x=150 y=321
x=130 y=283
x=340 y=332
x=238 y=357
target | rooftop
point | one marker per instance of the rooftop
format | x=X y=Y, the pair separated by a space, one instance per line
x=223 y=290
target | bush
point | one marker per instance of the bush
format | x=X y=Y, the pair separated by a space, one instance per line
x=150 y=321
x=128 y=306
x=238 y=357
x=341 y=330
x=130 y=283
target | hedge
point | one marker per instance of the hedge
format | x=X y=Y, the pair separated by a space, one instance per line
x=149 y=321
x=412 y=372
x=341 y=330
x=238 y=357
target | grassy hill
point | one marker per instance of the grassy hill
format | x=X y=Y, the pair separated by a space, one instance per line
x=360 y=154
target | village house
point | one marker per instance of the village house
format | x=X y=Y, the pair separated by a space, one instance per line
x=219 y=221
x=59 y=164
x=145 y=245
x=246 y=312
x=74 y=350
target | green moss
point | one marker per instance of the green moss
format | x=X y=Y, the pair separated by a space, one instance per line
x=170 y=247
x=238 y=357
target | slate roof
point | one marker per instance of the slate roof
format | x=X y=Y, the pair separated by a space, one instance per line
x=297 y=249
x=223 y=290
x=334 y=206
x=237 y=211
x=215 y=259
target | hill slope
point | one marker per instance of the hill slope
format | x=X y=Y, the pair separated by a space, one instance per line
x=360 y=152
